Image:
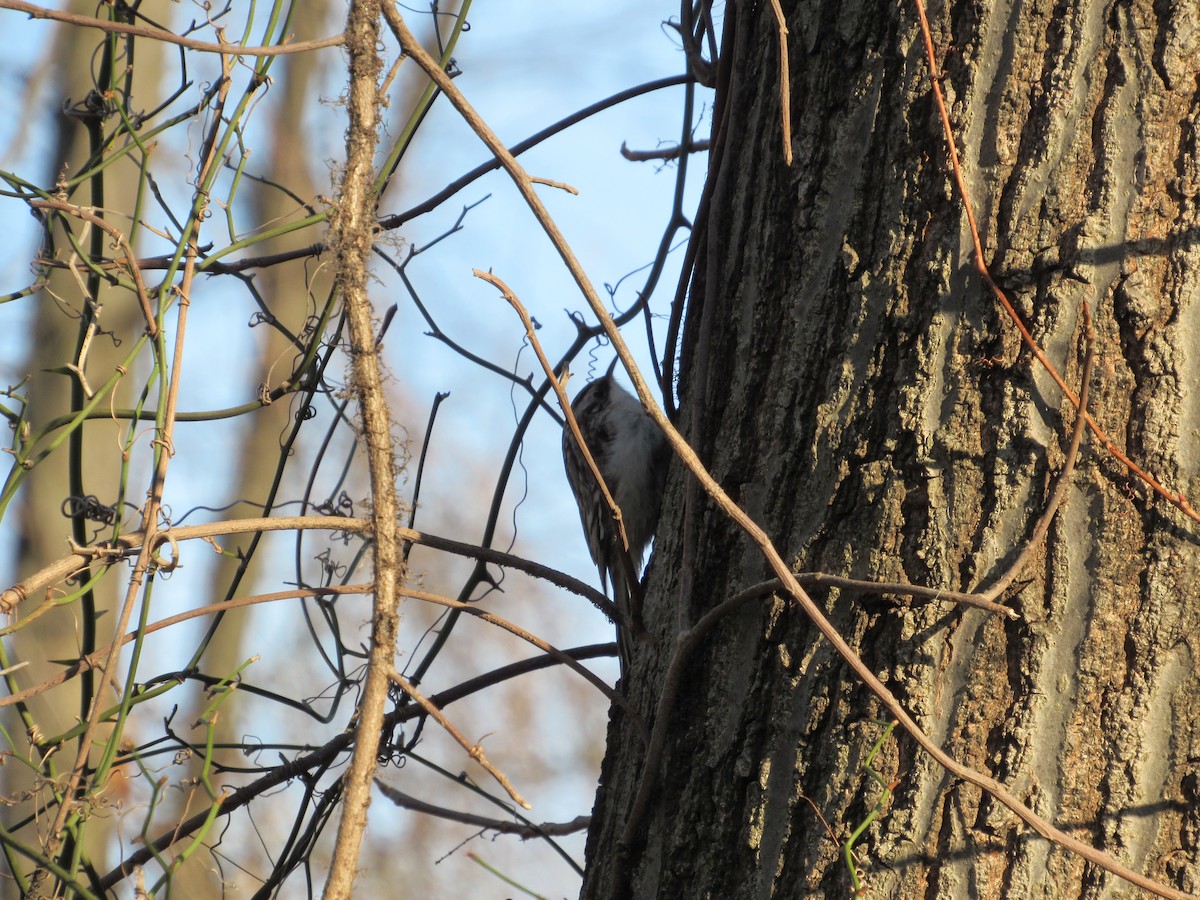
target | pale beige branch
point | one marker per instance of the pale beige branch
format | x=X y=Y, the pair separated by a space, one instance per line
x=561 y=393
x=630 y=619
x=351 y=237
x=132 y=543
x=93 y=660
x=561 y=185
x=40 y=12
x=475 y=751
x=135 y=272
x=785 y=82
x=83 y=558
x=595 y=680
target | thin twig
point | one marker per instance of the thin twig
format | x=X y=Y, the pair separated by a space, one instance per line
x=92 y=660
x=1064 y=476
x=546 y=829
x=865 y=586
x=323 y=757
x=629 y=619
x=475 y=751
x=553 y=652
x=129 y=544
x=552 y=655
x=131 y=264
x=132 y=543
x=167 y=37
x=561 y=393
x=785 y=82
x=560 y=185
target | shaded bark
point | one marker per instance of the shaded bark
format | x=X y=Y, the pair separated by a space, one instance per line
x=846 y=378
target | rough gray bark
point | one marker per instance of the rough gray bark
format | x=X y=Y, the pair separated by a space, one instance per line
x=846 y=377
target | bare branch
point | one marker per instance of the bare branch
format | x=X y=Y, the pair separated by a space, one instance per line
x=546 y=829
x=130 y=261
x=475 y=751
x=352 y=237
x=324 y=756
x=672 y=152
x=157 y=34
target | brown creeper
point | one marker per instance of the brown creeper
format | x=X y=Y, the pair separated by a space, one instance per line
x=632 y=454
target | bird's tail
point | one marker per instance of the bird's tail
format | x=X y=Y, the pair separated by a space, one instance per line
x=627 y=595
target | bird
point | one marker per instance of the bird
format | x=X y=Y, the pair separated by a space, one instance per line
x=632 y=454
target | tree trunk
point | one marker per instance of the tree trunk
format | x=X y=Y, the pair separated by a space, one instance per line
x=849 y=380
